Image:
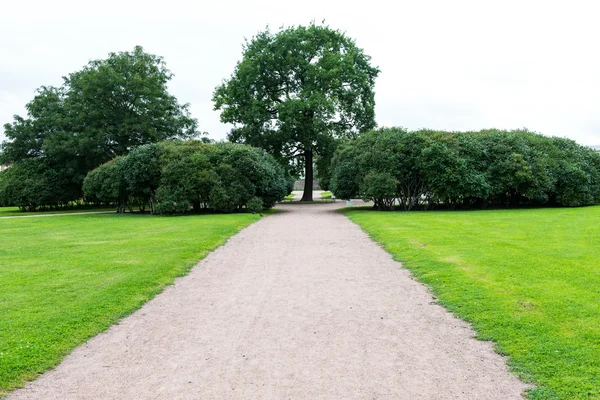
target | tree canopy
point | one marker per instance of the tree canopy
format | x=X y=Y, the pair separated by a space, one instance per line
x=177 y=177
x=297 y=90
x=100 y=112
x=433 y=169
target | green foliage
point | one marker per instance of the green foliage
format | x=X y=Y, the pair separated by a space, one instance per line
x=297 y=90
x=465 y=169
x=3 y=183
x=224 y=199
x=526 y=279
x=323 y=164
x=65 y=279
x=175 y=177
x=381 y=188
x=130 y=88
x=171 y=201
x=100 y=112
x=142 y=174
x=107 y=184
x=30 y=184
x=255 y=205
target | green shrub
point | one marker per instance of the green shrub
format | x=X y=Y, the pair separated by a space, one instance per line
x=171 y=202
x=380 y=187
x=33 y=184
x=255 y=205
x=107 y=184
x=465 y=169
x=177 y=177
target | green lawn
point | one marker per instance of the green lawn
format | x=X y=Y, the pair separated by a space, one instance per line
x=527 y=279
x=15 y=212
x=64 y=279
x=326 y=195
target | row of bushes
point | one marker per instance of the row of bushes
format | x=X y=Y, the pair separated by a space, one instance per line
x=32 y=184
x=424 y=169
x=177 y=177
x=390 y=166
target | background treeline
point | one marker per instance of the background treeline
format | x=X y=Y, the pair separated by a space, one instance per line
x=179 y=177
x=490 y=168
x=104 y=110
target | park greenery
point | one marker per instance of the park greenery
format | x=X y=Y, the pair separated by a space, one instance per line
x=295 y=92
x=87 y=209
x=304 y=95
x=112 y=136
x=100 y=112
x=65 y=279
x=492 y=168
x=326 y=195
x=527 y=279
x=176 y=177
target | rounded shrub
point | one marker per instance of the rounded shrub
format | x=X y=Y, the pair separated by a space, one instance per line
x=178 y=177
x=489 y=168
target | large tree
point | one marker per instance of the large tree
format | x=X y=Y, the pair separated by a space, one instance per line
x=295 y=91
x=100 y=112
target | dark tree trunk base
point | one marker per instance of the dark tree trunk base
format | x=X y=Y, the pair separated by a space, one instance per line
x=307 y=195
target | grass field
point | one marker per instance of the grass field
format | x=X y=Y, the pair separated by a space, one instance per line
x=15 y=212
x=64 y=279
x=326 y=195
x=527 y=279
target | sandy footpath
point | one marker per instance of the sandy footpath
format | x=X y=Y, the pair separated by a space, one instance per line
x=301 y=305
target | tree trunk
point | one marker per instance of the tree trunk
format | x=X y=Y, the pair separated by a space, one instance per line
x=308 y=176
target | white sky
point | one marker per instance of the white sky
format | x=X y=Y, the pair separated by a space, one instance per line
x=453 y=65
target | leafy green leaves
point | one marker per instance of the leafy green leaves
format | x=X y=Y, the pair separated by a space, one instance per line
x=466 y=169
x=100 y=112
x=175 y=177
x=296 y=89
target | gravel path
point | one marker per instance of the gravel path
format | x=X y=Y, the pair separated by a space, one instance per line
x=301 y=305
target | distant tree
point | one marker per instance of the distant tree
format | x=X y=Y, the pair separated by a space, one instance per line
x=124 y=102
x=30 y=185
x=295 y=90
x=100 y=112
x=575 y=170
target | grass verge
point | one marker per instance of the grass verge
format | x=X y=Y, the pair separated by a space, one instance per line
x=15 y=212
x=529 y=280
x=326 y=195
x=63 y=280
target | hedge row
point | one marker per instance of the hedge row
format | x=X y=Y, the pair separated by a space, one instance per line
x=425 y=169
x=177 y=177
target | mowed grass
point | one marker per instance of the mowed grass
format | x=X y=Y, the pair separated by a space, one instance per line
x=527 y=279
x=15 y=212
x=65 y=279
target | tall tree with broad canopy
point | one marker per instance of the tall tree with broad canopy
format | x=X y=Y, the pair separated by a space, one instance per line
x=296 y=90
x=102 y=111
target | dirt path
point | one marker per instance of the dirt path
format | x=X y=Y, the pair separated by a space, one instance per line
x=301 y=305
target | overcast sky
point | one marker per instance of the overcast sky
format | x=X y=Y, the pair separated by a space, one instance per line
x=452 y=65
